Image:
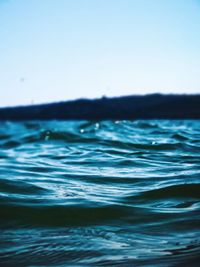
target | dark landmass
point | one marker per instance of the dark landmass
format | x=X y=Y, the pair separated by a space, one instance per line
x=155 y=106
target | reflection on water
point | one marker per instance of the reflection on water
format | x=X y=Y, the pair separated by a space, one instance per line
x=106 y=193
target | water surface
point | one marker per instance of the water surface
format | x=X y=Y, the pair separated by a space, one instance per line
x=111 y=193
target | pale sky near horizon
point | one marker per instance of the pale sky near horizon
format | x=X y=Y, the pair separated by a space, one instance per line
x=52 y=50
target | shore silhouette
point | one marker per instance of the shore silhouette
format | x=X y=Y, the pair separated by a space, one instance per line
x=153 y=106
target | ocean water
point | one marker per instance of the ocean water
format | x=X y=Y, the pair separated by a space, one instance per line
x=110 y=193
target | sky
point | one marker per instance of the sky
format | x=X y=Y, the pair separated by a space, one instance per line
x=55 y=50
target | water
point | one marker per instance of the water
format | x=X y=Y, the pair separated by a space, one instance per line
x=112 y=193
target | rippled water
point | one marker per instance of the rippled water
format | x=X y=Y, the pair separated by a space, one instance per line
x=100 y=193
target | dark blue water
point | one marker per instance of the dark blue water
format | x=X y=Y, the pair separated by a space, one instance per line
x=100 y=193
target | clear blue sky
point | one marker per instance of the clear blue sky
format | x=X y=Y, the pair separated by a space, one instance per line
x=53 y=50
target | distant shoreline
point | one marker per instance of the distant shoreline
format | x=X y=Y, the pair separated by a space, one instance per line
x=154 y=106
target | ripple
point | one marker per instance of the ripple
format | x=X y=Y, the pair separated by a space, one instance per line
x=100 y=193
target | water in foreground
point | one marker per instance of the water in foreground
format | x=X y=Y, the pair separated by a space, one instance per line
x=100 y=193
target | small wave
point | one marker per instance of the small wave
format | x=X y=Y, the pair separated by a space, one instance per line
x=91 y=193
x=175 y=191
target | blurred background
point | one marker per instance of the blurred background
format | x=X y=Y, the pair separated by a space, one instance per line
x=53 y=50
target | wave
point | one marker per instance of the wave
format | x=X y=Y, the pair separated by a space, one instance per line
x=91 y=193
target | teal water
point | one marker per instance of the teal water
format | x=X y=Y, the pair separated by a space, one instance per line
x=111 y=193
